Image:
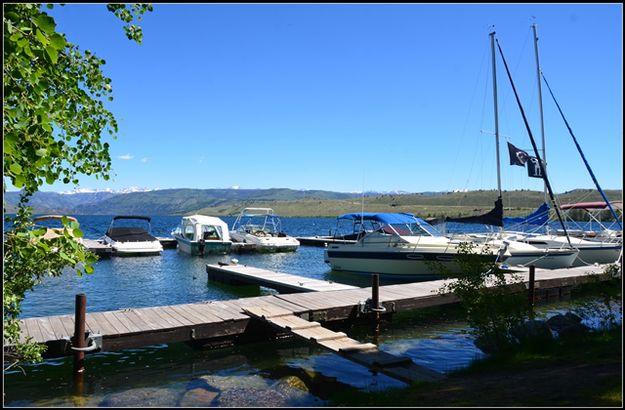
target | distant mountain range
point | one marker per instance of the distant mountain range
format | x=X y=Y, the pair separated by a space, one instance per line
x=288 y=202
x=158 y=202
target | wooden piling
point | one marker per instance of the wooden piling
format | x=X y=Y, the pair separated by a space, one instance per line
x=79 y=332
x=375 y=305
x=531 y=290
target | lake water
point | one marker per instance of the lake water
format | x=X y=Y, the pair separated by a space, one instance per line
x=176 y=374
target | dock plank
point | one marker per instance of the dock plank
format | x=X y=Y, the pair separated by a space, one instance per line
x=68 y=324
x=137 y=321
x=184 y=320
x=98 y=320
x=46 y=328
x=168 y=321
x=32 y=326
x=129 y=324
x=212 y=312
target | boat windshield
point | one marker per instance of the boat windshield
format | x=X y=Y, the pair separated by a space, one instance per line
x=415 y=229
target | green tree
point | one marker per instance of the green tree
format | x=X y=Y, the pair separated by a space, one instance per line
x=53 y=121
x=491 y=298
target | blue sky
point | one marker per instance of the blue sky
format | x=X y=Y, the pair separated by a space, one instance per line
x=346 y=97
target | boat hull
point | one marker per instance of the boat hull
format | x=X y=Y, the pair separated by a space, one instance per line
x=153 y=248
x=209 y=247
x=590 y=252
x=267 y=244
x=554 y=259
x=405 y=263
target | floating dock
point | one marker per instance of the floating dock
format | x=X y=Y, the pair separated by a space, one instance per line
x=98 y=247
x=282 y=282
x=225 y=322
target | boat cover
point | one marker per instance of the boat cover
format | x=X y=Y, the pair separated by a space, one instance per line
x=124 y=234
x=493 y=217
x=539 y=217
x=593 y=205
x=387 y=218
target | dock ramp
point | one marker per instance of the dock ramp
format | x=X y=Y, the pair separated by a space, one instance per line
x=366 y=354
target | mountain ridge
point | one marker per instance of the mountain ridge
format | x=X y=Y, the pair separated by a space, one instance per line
x=287 y=202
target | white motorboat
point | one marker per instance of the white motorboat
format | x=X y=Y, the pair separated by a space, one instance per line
x=202 y=235
x=262 y=228
x=132 y=239
x=403 y=244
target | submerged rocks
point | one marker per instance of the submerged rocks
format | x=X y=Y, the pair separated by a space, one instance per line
x=143 y=397
x=198 y=397
x=218 y=391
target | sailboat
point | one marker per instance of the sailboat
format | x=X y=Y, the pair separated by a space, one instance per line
x=590 y=251
x=521 y=253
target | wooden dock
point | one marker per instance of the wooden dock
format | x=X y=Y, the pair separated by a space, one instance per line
x=366 y=354
x=225 y=322
x=98 y=247
x=282 y=282
x=168 y=243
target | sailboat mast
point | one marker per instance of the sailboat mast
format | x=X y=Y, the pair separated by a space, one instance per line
x=540 y=104
x=492 y=45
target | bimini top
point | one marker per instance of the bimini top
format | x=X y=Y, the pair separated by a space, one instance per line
x=205 y=220
x=593 y=205
x=386 y=218
x=147 y=218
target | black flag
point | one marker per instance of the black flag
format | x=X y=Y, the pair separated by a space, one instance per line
x=517 y=156
x=533 y=168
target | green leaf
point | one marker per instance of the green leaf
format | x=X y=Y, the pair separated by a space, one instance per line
x=78 y=233
x=41 y=152
x=53 y=54
x=16 y=169
x=46 y=23
x=43 y=39
x=18 y=181
x=39 y=232
x=57 y=41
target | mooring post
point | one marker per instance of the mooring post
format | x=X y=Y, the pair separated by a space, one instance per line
x=375 y=305
x=530 y=293
x=79 y=341
x=79 y=332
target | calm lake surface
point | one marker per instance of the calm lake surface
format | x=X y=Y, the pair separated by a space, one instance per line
x=245 y=375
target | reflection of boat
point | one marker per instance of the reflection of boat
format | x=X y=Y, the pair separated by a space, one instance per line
x=132 y=240
x=401 y=244
x=52 y=232
x=202 y=235
x=262 y=228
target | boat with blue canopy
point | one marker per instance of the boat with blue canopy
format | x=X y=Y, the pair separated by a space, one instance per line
x=401 y=244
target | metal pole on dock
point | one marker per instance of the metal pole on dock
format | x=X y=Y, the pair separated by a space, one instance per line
x=531 y=287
